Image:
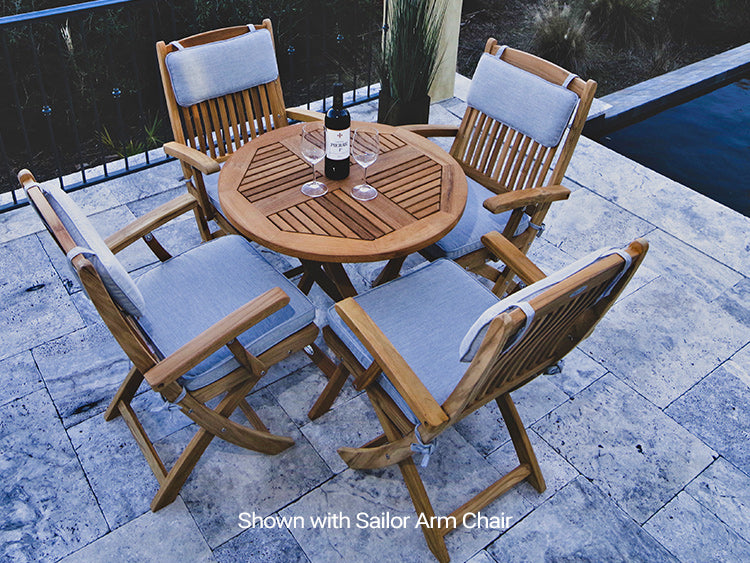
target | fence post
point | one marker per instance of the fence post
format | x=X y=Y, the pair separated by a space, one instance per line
x=442 y=87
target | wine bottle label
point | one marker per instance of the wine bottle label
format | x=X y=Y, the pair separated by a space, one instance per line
x=337 y=144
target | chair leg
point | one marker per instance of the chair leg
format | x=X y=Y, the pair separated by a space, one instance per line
x=252 y=416
x=126 y=392
x=329 y=394
x=181 y=470
x=203 y=228
x=415 y=486
x=521 y=442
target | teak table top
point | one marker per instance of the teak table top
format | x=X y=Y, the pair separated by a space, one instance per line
x=421 y=195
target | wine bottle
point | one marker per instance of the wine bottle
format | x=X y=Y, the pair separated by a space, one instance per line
x=337 y=124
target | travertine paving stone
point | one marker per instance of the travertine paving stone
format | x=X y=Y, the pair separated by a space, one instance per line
x=297 y=392
x=692 y=533
x=83 y=387
x=20 y=377
x=229 y=480
x=351 y=424
x=35 y=306
x=586 y=222
x=485 y=429
x=117 y=471
x=607 y=433
x=142 y=539
x=657 y=341
x=578 y=372
x=578 y=524
x=693 y=218
x=725 y=491
x=48 y=509
x=716 y=410
x=261 y=545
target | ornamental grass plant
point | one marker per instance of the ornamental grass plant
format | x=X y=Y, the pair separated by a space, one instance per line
x=411 y=49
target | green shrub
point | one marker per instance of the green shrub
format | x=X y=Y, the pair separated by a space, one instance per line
x=625 y=23
x=560 y=37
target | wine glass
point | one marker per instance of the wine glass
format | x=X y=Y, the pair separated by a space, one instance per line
x=365 y=149
x=313 y=150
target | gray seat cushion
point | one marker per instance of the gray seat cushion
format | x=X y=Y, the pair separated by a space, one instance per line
x=424 y=314
x=188 y=293
x=475 y=222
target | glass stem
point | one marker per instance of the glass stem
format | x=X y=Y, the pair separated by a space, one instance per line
x=366 y=175
x=313 y=171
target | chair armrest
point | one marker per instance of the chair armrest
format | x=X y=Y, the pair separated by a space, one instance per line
x=301 y=114
x=432 y=130
x=392 y=363
x=192 y=157
x=522 y=198
x=516 y=260
x=150 y=221
x=210 y=340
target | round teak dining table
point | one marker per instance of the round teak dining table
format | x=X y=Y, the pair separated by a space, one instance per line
x=421 y=195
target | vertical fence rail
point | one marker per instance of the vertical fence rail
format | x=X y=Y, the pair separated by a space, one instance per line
x=83 y=101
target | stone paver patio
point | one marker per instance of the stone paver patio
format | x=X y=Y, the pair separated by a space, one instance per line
x=644 y=438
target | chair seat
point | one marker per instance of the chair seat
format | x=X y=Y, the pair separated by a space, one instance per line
x=440 y=298
x=188 y=293
x=475 y=222
x=211 y=182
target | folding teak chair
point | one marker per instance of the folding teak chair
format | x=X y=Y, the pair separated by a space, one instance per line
x=222 y=88
x=523 y=121
x=208 y=322
x=433 y=346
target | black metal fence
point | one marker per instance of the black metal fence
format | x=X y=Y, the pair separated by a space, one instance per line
x=83 y=100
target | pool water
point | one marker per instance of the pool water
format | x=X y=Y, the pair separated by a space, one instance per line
x=703 y=144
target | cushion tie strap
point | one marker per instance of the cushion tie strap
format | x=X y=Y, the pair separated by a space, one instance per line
x=528 y=310
x=538 y=228
x=171 y=405
x=76 y=250
x=628 y=261
x=569 y=79
x=500 y=51
x=178 y=45
x=421 y=448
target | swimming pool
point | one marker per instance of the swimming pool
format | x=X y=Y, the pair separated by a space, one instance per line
x=703 y=144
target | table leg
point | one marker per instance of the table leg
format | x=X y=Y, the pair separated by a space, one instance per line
x=339 y=277
x=315 y=272
x=390 y=271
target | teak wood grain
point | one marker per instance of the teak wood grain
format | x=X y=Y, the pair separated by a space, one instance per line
x=421 y=195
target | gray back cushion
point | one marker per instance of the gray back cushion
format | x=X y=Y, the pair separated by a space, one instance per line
x=208 y=71
x=116 y=279
x=522 y=100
